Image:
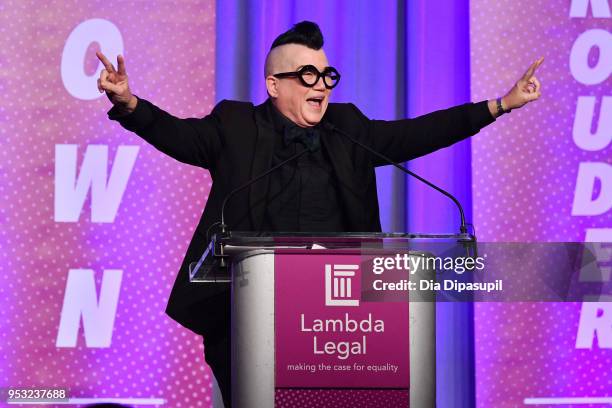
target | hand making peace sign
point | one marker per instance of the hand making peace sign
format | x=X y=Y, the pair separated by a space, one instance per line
x=115 y=83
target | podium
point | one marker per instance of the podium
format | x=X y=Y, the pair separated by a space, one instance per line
x=313 y=322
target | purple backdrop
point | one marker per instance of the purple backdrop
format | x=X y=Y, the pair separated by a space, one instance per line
x=95 y=222
x=544 y=174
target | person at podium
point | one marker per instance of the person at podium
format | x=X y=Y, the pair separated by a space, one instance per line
x=332 y=188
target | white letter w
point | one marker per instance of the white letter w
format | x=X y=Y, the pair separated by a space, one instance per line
x=106 y=192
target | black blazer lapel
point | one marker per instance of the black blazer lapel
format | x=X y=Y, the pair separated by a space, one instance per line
x=262 y=160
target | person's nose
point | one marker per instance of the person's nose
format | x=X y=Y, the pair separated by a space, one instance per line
x=319 y=85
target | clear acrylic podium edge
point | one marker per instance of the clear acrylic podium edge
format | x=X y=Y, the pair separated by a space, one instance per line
x=213 y=265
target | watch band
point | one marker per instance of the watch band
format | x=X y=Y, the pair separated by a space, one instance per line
x=500 y=108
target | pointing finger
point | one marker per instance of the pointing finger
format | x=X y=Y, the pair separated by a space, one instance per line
x=121 y=65
x=530 y=71
x=109 y=67
x=539 y=62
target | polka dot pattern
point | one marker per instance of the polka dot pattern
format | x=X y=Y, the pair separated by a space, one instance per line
x=525 y=165
x=524 y=171
x=528 y=350
x=169 y=52
x=319 y=398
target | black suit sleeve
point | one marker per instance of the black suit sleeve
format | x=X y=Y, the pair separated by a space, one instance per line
x=192 y=141
x=406 y=139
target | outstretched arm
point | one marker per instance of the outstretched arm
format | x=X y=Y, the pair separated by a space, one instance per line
x=192 y=141
x=406 y=139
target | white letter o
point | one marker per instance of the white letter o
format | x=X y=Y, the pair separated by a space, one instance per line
x=76 y=81
x=579 y=57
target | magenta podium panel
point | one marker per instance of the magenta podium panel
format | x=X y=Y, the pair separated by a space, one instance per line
x=303 y=332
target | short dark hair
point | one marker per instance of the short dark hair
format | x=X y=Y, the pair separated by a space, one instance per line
x=304 y=33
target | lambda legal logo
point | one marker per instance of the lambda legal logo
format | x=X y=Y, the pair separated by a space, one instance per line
x=338 y=285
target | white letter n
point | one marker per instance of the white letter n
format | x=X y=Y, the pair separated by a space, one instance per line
x=106 y=192
x=80 y=299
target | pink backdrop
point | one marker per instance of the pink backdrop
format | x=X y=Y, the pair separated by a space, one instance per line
x=54 y=239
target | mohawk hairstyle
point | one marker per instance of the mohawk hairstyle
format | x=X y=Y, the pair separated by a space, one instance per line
x=304 y=33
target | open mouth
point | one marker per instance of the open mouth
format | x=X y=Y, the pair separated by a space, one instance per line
x=315 y=102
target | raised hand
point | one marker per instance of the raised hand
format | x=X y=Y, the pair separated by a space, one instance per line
x=115 y=83
x=527 y=89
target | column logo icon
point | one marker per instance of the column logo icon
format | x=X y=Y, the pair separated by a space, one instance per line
x=338 y=285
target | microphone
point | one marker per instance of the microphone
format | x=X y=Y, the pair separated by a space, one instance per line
x=311 y=144
x=462 y=228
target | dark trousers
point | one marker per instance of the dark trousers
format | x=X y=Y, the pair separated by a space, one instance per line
x=217 y=355
x=217 y=343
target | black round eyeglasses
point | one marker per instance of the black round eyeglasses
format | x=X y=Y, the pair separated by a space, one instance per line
x=309 y=75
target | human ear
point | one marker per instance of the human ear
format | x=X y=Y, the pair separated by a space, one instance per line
x=272 y=86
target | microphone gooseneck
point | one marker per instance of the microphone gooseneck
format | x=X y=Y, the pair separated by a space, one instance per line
x=248 y=183
x=311 y=144
x=463 y=228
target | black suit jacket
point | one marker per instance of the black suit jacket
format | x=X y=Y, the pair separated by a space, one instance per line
x=235 y=143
